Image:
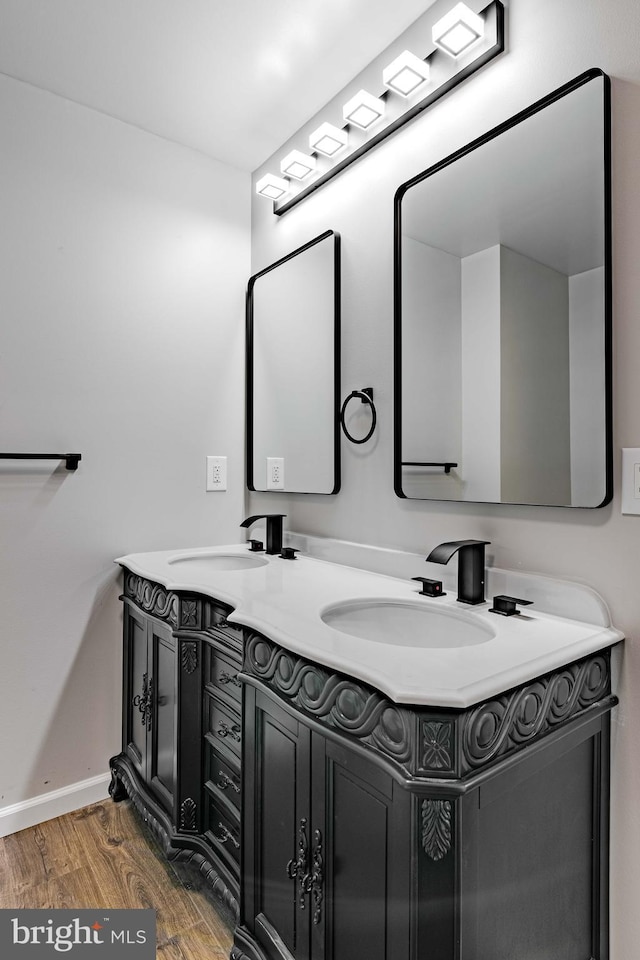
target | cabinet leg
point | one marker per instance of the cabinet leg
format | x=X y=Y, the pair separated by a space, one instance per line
x=117 y=791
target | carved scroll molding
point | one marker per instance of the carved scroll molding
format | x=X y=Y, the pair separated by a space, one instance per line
x=152 y=598
x=188 y=810
x=189 y=656
x=332 y=699
x=436 y=828
x=503 y=725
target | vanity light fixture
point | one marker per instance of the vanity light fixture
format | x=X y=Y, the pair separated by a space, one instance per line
x=272 y=187
x=328 y=140
x=458 y=30
x=411 y=85
x=298 y=165
x=405 y=74
x=363 y=110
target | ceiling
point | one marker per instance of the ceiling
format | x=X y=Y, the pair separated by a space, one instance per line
x=231 y=78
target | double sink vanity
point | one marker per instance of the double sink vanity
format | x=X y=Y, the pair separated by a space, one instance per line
x=357 y=770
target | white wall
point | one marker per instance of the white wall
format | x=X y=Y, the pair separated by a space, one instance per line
x=534 y=343
x=548 y=43
x=586 y=296
x=481 y=375
x=123 y=263
x=431 y=393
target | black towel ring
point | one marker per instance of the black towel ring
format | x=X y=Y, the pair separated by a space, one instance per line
x=366 y=396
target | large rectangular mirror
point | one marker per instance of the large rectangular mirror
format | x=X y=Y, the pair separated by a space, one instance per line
x=503 y=312
x=293 y=371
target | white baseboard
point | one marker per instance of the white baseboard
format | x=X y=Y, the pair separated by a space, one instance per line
x=28 y=813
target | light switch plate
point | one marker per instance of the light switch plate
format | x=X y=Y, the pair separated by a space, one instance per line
x=631 y=480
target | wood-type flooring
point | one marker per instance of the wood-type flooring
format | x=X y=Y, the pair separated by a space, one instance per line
x=101 y=857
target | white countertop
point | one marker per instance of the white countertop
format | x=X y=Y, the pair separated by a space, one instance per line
x=284 y=600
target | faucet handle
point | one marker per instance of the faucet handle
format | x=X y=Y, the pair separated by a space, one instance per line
x=255 y=545
x=289 y=553
x=506 y=606
x=430 y=588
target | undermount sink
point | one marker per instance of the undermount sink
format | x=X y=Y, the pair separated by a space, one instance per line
x=211 y=562
x=406 y=624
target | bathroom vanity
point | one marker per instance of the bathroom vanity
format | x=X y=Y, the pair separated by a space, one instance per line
x=417 y=779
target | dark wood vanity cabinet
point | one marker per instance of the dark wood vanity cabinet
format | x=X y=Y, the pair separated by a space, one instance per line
x=181 y=729
x=374 y=831
x=324 y=867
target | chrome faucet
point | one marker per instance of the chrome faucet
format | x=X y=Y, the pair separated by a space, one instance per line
x=470 y=566
x=274 y=529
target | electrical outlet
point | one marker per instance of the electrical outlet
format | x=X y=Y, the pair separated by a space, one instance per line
x=216 y=473
x=275 y=473
x=631 y=480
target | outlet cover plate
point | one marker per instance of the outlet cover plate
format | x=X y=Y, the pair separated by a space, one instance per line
x=216 y=473
x=275 y=473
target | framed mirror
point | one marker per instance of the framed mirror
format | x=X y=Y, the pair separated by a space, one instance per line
x=293 y=371
x=502 y=322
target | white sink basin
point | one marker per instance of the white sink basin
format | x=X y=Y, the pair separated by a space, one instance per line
x=199 y=563
x=406 y=624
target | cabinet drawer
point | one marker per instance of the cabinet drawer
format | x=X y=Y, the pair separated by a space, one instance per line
x=222 y=673
x=215 y=618
x=223 y=778
x=223 y=832
x=223 y=724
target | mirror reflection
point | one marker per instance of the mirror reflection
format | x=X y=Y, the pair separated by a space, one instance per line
x=503 y=312
x=293 y=371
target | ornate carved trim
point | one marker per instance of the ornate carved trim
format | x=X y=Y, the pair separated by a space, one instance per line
x=188 y=810
x=437 y=746
x=189 y=656
x=332 y=699
x=188 y=612
x=152 y=598
x=436 y=828
x=501 y=726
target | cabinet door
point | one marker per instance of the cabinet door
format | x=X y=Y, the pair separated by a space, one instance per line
x=136 y=715
x=163 y=747
x=276 y=841
x=360 y=857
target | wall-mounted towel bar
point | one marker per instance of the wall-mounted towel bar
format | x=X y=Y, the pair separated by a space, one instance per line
x=71 y=460
x=429 y=463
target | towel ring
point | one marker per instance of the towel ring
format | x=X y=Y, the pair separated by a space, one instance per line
x=366 y=396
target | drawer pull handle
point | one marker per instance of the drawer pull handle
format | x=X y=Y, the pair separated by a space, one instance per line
x=299 y=869
x=226 y=836
x=224 y=730
x=226 y=677
x=224 y=782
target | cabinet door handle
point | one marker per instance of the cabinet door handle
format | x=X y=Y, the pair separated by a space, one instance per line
x=299 y=869
x=226 y=677
x=224 y=782
x=143 y=701
x=233 y=731
x=316 y=880
x=226 y=836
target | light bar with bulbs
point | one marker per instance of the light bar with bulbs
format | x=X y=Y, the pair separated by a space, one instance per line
x=459 y=41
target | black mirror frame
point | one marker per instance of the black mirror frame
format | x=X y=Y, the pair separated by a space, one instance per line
x=336 y=362
x=536 y=107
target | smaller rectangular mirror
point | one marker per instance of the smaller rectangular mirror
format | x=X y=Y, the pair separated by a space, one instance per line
x=293 y=371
